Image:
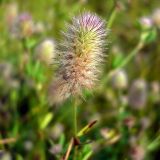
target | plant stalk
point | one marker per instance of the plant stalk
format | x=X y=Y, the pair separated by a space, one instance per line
x=75 y=125
x=75 y=117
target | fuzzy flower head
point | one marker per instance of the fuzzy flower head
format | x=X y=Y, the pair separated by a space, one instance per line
x=119 y=79
x=138 y=94
x=45 y=51
x=23 y=26
x=80 y=54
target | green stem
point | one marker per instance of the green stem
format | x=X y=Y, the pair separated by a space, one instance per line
x=112 y=18
x=25 y=46
x=75 y=125
x=154 y=144
x=75 y=153
x=131 y=55
x=75 y=117
x=112 y=15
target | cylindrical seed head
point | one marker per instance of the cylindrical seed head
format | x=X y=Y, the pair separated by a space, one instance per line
x=80 y=54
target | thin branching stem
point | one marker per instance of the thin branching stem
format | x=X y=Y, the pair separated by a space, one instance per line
x=131 y=55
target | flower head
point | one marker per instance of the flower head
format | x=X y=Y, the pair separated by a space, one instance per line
x=156 y=17
x=80 y=54
x=45 y=51
x=23 y=26
x=119 y=79
x=146 y=22
x=138 y=94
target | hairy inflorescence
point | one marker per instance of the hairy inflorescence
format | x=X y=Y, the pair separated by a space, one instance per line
x=79 y=56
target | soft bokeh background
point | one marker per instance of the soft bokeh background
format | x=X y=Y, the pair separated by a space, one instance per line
x=126 y=103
